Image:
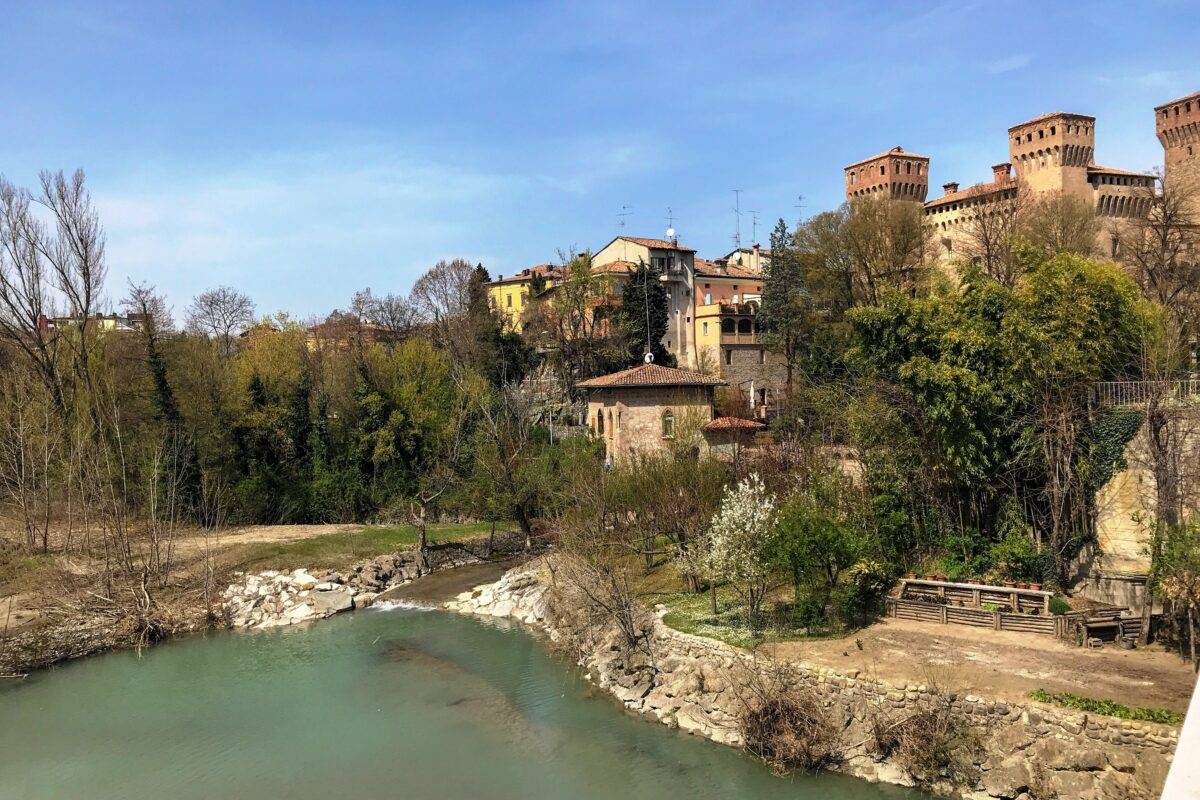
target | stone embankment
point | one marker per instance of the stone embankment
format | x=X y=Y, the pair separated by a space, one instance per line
x=272 y=599
x=1026 y=751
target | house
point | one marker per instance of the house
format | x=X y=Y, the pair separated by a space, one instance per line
x=511 y=296
x=648 y=407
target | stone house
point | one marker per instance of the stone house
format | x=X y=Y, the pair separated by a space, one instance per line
x=647 y=408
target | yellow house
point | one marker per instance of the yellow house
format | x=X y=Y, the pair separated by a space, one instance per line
x=512 y=295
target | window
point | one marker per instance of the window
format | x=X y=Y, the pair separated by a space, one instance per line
x=600 y=422
x=883 y=170
x=610 y=421
x=668 y=424
x=706 y=329
x=508 y=301
x=728 y=356
x=743 y=326
x=618 y=420
x=1052 y=129
x=708 y=298
x=728 y=326
x=762 y=356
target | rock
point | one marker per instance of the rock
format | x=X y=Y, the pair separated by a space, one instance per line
x=364 y=599
x=302 y=580
x=300 y=613
x=331 y=602
x=1071 y=784
x=1009 y=779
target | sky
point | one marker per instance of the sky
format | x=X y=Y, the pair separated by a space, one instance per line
x=302 y=151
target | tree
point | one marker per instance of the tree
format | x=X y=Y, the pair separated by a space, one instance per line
x=786 y=302
x=1054 y=223
x=45 y=266
x=442 y=299
x=642 y=315
x=990 y=238
x=740 y=541
x=1176 y=574
x=887 y=245
x=221 y=314
x=392 y=313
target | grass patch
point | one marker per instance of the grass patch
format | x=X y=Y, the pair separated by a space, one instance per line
x=1107 y=707
x=335 y=550
x=22 y=572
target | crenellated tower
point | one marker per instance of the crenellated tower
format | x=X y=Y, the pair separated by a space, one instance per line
x=1177 y=124
x=896 y=174
x=1052 y=153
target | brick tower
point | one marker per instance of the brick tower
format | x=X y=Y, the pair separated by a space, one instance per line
x=1177 y=124
x=896 y=174
x=1051 y=153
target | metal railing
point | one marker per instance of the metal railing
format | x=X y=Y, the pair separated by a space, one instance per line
x=1130 y=393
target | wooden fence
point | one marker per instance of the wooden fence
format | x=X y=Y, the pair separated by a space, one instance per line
x=1052 y=625
x=1005 y=598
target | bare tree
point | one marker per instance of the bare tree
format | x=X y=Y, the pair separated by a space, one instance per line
x=1058 y=223
x=221 y=314
x=442 y=300
x=50 y=266
x=989 y=236
x=393 y=314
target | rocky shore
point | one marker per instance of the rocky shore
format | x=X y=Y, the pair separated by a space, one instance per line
x=1027 y=751
x=272 y=599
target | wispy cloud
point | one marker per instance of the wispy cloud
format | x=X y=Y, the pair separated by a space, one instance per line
x=1010 y=63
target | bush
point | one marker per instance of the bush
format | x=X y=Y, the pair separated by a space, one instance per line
x=1059 y=606
x=339 y=495
x=1107 y=707
x=858 y=597
x=1017 y=558
x=788 y=728
x=929 y=745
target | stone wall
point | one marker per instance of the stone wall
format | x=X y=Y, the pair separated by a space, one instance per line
x=1029 y=750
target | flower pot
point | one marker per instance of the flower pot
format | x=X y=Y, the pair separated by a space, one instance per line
x=1022 y=585
x=912 y=576
x=1010 y=584
x=930 y=578
x=1035 y=586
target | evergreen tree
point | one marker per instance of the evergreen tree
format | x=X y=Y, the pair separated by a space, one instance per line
x=643 y=315
x=786 y=303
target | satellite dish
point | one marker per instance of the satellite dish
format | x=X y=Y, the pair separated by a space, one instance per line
x=670 y=233
x=648 y=358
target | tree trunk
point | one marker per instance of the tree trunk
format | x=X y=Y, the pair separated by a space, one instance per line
x=422 y=542
x=491 y=539
x=712 y=595
x=526 y=526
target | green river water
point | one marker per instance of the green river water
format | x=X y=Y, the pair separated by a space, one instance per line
x=378 y=704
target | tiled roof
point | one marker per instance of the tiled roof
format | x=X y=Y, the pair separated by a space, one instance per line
x=896 y=151
x=1191 y=96
x=971 y=192
x=716 y=269
x=1115 y=171
x=614 y=268
x=549 y=270
x=650 y=375
x=658 y=244
x=733 y=424
x=1051 y=115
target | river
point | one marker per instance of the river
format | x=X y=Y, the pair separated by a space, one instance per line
x=393 y=703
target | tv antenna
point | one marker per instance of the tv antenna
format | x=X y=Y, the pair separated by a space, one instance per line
x=671 y=225
x=800 y=204
x=737 y=217
x=753 y=227
x=622 y=214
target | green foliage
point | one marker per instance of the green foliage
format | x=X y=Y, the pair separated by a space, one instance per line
x=1017 y=558
x=642 y=315
x=1107 y=707
x=1059 y=605
x=1112 y=430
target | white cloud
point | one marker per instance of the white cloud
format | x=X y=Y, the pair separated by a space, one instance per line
x=1010 y=63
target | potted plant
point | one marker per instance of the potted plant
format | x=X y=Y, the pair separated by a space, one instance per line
x=1022 y=585
x=1009 y=584
x=1035 y=586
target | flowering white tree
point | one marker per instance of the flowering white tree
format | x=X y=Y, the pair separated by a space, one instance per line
x=739 y=541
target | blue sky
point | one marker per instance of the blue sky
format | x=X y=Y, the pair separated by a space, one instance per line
x=300 y=151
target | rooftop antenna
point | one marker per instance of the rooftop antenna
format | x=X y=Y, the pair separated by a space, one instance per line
x=753 y=227
x=671 y=226
x=621 y=215
x=800 y=205
x=737 y=216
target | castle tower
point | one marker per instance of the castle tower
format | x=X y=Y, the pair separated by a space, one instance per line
x=1177 y=124
x=1051 y=153
x=896 y=174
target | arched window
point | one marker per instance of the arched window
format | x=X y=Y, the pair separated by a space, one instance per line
x=610 y=421
x=743 y=326
x=600 y=422
x=728 y=326
x=668 y=424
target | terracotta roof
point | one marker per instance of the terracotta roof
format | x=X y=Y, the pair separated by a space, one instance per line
x=1115 y=171
x=650 y=375
x=897 y=151
x=717 y=269
x=1051 y=115
x=1191 y=96
x=733 y=424
x=614 y=268
x=971 y=192
x=659 y=244
x=549 y=270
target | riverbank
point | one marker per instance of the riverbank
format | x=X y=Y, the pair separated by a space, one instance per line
x=55 y=608
x=1018 y=750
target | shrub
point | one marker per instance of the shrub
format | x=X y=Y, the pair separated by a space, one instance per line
x=858 y=597
x=930 y=745
x=783 y=723
x=1017 y=558
x=1059 y=605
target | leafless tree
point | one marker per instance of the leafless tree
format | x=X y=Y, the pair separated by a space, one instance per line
x=48 y=264
x=1058 y=223
x=394 y=314
x=989 y=236
x=144 y=302
x=442 y=300
x=221 y=314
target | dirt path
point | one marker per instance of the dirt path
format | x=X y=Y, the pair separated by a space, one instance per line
x=1001 y=664
x=441 y=586
x=194 y=544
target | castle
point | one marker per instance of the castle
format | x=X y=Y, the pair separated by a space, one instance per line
x=1050 y=154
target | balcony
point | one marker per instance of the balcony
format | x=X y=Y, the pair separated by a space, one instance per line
x=739 y=338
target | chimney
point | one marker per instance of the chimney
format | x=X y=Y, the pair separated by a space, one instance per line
x=1000 y=172
x=950 y=188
